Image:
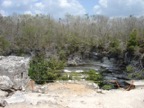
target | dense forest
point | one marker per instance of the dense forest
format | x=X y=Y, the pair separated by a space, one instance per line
x=22 y=34
x=26 y=34
x=45 y=36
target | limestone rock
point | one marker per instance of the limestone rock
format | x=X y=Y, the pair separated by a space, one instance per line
x=95 y=86
x=13 y=72
x=3 y=94
x=75 y=61
x=5 y=83
x=17 y=97
x=99 y=91
x=3 y=103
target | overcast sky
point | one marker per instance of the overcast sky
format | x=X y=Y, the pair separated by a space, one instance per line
x=58 y=8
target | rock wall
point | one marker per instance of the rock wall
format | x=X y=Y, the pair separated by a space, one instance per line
x=13 y=72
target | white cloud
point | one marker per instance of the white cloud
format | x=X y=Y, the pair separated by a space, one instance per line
x=103 y=3
x=28 y=12
x=3 y=12
x=39 y=5
x=119 y=7
x=57 y=8
x=62 y=7
x=64 y=3
x=7 y=3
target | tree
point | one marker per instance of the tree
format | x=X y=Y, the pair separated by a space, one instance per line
x=132 y=42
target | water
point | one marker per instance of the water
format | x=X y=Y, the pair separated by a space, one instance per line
x=108 y=69
x=94 y=65
x=81 y=68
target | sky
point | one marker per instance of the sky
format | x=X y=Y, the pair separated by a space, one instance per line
x=59 y=8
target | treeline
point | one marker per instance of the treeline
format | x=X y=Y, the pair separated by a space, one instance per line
x=26 y=34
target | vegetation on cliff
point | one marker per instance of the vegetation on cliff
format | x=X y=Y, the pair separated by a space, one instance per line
x=57 y=39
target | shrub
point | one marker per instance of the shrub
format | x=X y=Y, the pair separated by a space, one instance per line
x=107 y=87
x=114 y=47
x=129 y=68
x=75 y=75
x=4 y=44
x=62 y=55
x=136 y=75
x=96 y=77
x=42 y=70
x=65 y=76
x=132 y=42
x=55 y=64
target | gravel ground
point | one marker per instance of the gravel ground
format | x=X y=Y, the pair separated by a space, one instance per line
x=80 y=95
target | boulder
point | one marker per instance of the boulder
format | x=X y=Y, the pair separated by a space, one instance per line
x=106 y=61
x=75 y=60
x=3 y=94
x=3 y=103
x=95 y=86
x=95 y=56
x=5 y=83
x=17 y=97
x=13 y=72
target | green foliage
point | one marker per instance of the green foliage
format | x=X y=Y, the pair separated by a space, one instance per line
x=38 y=70
x=4 y=44
x=55 y=64
x=141 y=42
x=132 y=42
x=62 y=55
x=98 y=78
x=136 y=75
x=114 y=48
x=107 y=87
x=129 y=68
x=75 y=75
x=94 y=76
x=72 y=34
x=42 y=71
x=65 y=76
x=73 y=43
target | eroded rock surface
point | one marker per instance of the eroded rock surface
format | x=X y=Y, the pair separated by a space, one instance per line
x=75 y=60
x=3 y=94
x=13 y=72
x=5 y=83
x=77 y=95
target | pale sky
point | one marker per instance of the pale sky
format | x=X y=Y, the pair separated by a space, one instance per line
x=58 y=8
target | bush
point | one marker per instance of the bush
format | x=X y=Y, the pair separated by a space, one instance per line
x=42 y=70
x=114 y=47
x=4 y=44
x=65 y=76
x=75 y=75
x=136 y=75
x=129 y=68
x=55 y=64
x=107 y=87
x=96 y=77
